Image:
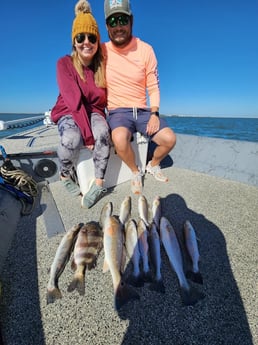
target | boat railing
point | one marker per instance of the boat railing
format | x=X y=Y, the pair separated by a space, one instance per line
x=20 y=123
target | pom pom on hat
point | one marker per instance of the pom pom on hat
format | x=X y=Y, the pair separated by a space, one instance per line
x=84 y=20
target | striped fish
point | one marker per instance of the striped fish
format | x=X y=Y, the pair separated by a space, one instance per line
x=86 y=250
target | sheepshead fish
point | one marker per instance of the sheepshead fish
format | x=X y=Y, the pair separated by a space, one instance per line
x=114 y=250
x=193 y=251
x=86 y=250
x=143 y=209
x=156 y=211
x=131 y=244
x=189 y=295
x=142 y=232
x=155 y=257
x=61 y=258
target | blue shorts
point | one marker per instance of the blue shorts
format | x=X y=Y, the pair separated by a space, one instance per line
x=134 y=119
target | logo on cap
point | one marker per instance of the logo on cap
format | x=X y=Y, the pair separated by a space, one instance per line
x=115 y=3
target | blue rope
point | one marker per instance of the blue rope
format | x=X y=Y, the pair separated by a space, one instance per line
x=3 y=152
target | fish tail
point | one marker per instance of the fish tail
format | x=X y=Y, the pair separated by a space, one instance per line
x=124 y=294
x=78 y=283
x=53 y=295
x=147 y=277
x=190 y=296
x=195 y=277
x=135 y=281
x=157 y=286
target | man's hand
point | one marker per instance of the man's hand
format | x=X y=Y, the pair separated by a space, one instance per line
x=152 y=125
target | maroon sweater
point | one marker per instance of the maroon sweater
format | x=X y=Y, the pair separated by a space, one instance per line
x=78 y=98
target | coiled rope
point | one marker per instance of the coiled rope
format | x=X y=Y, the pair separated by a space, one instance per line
x=19 y=178
x=21 y=184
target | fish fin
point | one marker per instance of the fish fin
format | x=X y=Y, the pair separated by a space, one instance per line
x=157 y=286
x=105 y=267
x=53 y=295
x=78 y=283
x=191 y=296
x=73 y=265
x=124 y=294
x=195 y=277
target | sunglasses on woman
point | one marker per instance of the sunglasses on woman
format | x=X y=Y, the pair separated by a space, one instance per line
x=123 y=20
x=80 y=38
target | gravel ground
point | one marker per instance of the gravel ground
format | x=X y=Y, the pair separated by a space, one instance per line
x=225 y=217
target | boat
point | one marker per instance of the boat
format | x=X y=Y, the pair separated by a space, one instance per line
x=212 y=182
x=47 y=118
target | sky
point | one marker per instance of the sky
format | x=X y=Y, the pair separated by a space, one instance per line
x=207 y=52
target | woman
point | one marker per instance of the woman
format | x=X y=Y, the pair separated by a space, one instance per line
x=79 y=110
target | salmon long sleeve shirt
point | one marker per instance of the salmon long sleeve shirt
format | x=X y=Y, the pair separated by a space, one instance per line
x=78 y=98
x=130 y=71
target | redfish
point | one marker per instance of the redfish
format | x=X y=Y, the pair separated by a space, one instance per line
x=113 y=242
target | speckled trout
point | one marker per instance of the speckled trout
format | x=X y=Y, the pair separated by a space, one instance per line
x=142 y=231
x=133 y=253
x=61 y=258
x=193 y=251
x=189 y=295
x=156 y=211
x=143 y=208
x=154 y=250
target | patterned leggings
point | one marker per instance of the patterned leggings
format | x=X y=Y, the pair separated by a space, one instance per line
x=71 y=142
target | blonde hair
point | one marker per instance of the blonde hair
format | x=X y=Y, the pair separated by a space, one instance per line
x=97 y=64
x=85 y=22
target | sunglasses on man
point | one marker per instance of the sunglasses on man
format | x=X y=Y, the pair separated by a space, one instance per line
x=113 y=21
x=80 y=38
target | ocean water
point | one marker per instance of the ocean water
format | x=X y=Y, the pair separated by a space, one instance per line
x=20 y=127
x=216 y=127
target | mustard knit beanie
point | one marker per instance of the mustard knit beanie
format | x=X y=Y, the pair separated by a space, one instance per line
x=84 y=20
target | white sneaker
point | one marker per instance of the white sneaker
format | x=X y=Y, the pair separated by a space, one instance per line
x=156 y=172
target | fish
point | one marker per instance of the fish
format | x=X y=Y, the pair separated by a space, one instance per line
x=156 y=211
x=113 y=242
x=105 y=212
x=133 y=252
x=189 y=295
x=193 y=251
x=125 y=210
x=86 y=250
x=154 y=241
x=143 y=209
x=61 y=258
x=142 y=232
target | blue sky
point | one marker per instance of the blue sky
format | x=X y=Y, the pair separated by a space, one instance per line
x=207 y=52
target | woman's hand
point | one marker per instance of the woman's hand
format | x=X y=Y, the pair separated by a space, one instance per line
x=90 y=147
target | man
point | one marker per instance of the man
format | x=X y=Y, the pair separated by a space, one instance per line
x=131 y=69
